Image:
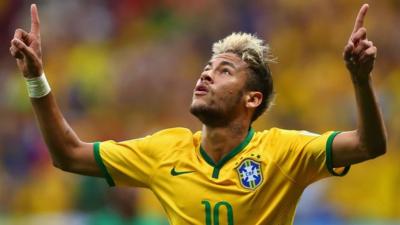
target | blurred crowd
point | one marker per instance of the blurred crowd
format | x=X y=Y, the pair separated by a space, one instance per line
x=123 y=69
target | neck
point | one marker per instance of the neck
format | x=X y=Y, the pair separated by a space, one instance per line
x=219 y=141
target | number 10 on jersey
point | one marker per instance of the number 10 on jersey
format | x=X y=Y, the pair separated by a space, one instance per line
x=215 y=212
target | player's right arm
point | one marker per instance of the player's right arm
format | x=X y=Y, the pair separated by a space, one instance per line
x=67 y=151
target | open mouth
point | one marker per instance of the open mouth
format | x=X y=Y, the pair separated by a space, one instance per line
x=201 y=89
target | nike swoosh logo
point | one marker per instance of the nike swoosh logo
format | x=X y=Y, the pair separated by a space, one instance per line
x=177 y=173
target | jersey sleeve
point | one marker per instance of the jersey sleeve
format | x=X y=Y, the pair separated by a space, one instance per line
x=310 y=156
x=127 y=163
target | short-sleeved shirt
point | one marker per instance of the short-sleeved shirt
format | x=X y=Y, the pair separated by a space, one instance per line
x=258 y=182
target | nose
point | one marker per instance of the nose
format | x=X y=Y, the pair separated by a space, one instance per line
x=206 y=76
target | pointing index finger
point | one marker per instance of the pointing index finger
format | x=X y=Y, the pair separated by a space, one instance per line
x=35 y=23
x=360 y=17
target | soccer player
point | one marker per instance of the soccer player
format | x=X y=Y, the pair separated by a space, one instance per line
x=227 y=173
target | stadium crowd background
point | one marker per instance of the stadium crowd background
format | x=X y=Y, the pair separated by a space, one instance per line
x=123 y=69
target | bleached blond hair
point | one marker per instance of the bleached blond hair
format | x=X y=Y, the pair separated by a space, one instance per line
x=257 y=54
x=248 y=46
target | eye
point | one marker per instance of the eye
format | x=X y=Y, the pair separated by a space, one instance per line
x=226 y=71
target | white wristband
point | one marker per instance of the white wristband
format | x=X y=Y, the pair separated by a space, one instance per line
x=38 y=86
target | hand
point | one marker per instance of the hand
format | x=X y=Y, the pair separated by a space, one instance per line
x=26 y=47
x=360 y=53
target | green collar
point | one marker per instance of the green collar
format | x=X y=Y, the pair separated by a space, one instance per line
x=230 y=155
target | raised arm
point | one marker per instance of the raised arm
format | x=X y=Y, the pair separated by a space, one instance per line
x=369 y=140
x=67 y=151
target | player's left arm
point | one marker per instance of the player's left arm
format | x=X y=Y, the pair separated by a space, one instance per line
x=369 y=140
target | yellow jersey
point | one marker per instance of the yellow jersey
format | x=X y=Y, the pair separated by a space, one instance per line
x=258 y=182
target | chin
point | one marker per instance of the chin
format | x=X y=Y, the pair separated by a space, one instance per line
x=209 y=116
x=197 y=108
x=197 y=103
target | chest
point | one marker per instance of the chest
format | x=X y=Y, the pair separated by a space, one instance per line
x=248 y=183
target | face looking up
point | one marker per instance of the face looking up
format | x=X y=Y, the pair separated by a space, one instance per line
x=219 y=94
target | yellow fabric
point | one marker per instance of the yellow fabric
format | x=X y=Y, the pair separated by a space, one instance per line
x=289 y=161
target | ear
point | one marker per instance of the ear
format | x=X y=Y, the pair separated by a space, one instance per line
x=253 y=99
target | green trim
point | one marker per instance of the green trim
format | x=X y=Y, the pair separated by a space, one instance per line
x=215 y=173
x=99 y=161
x=230 y=155
x=329 y=163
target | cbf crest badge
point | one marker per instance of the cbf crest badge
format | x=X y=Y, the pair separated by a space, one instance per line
x=250 y=175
